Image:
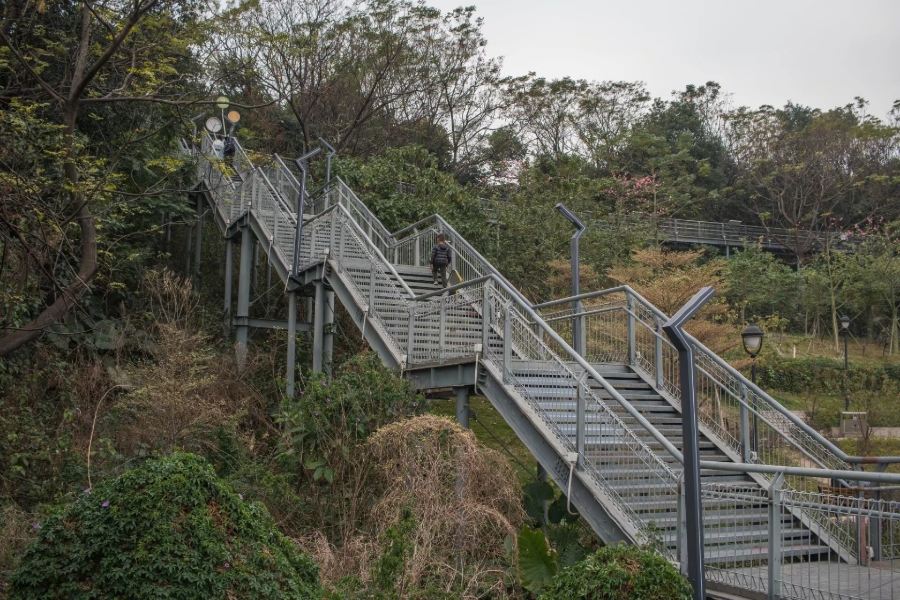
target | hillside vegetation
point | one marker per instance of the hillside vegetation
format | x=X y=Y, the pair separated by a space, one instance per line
x=127 y=430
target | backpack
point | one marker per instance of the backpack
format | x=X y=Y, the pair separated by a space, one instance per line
x=441 y=255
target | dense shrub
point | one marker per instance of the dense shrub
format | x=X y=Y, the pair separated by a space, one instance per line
x=801 y=375
x=167 y=529
x=619 y=573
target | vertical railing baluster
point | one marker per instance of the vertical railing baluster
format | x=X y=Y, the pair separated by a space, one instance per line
x=507 y=344
x=660 y=370
x=745 y=425
x=629 y=305
x=579 y=420
x=485 y=317
x=410 y=332
x=371 y=289
x=442 y=324
x=415 y=247
x=341 y=234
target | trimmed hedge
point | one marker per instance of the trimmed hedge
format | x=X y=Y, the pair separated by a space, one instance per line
x=167 y=529
x=619 y=573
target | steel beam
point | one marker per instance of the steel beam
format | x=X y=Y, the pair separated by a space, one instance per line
x=269 y=324
x=243 y=301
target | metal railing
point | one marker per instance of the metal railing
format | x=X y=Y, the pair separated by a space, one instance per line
x=732 y=234
x=621 y=326
x=780 y=557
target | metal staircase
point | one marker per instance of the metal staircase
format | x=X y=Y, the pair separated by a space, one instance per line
x=605 y=423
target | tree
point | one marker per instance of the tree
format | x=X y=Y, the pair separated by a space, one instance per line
x=67 y=69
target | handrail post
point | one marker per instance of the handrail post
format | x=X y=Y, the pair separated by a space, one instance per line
x=681 y=526
x=745 y=426
x=416 y=240
x=862 y=532
x=632 y=350
x=371 y=290
x=410 y=332
x=442 y=334
x=485 y=316
x=342 y=234
x=774 y=567
x=660 y=368
x=579 y=419
x=507 y=344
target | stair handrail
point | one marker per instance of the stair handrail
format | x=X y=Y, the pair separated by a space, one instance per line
x=842 y=456
x=386 y=264
x=479 y=264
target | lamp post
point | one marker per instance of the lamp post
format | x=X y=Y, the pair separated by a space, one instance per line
x=302 y=164
x=845 y=333
x=222 y=103
x=690 y=435
x=752 y=340
x=578 y=321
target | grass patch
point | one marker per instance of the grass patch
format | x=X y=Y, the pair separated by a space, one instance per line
x=491 y=430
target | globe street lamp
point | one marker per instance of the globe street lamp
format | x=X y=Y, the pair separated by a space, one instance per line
x=752 y=339
x=222 y=103
x=845 y=333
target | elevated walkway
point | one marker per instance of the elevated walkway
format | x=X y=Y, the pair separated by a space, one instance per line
x=604 y=422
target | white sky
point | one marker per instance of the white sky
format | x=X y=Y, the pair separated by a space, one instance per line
x=815 y=52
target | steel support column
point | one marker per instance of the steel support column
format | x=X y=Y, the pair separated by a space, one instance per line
x=229 y=268
x=328 y=333
x=198 y=247
x=462 y=405
x=243 y=300
x=291 y=366
x=318 y=326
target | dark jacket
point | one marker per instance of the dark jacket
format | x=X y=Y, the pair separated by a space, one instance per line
x=441 y=254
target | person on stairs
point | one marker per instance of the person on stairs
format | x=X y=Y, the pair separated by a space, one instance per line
x=441 y=257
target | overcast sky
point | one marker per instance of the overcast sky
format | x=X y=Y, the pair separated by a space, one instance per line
x=816 y=52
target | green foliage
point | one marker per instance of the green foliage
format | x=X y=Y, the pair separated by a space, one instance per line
x=619 y=573
x=323 y=424
x=169 y=528
x=761 y=285
x=397 y=548
x=404 y=185
x=538 y=562
x=824 y=375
